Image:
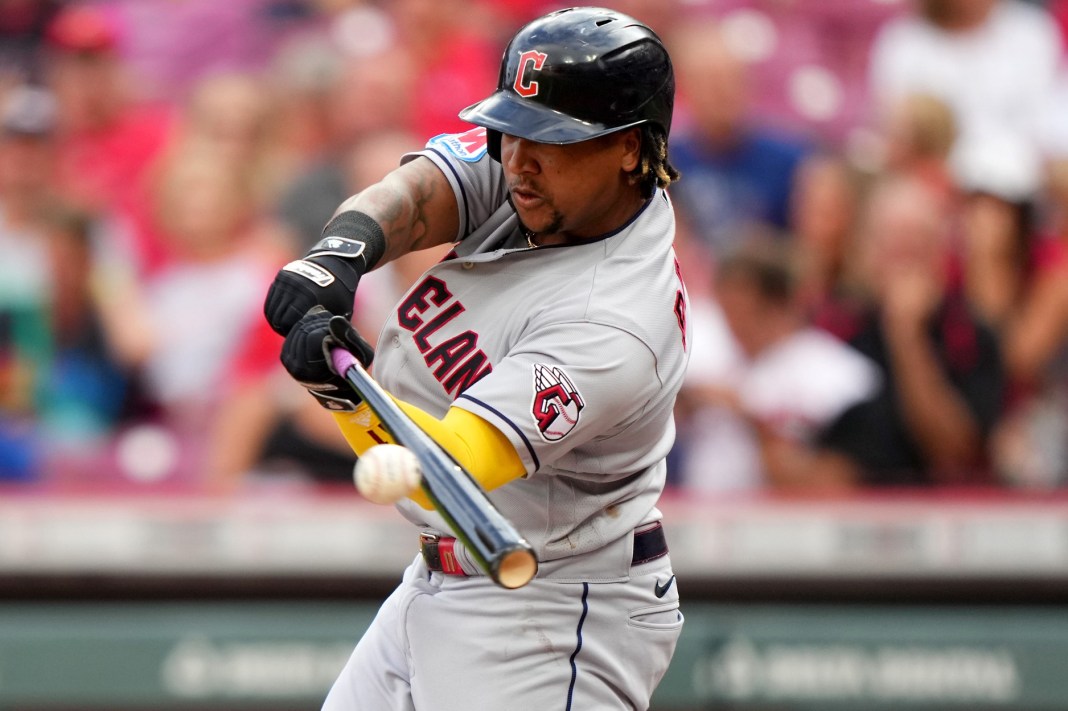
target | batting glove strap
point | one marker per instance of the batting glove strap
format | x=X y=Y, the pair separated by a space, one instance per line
x=327 y=276
x=352 y=235
x=334 y=403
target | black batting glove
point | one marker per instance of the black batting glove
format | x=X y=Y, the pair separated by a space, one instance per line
x=306 y=356
x=327 y=276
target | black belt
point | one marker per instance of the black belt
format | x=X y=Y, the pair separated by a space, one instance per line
x=440 y=557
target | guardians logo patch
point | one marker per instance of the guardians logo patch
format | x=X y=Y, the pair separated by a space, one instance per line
x=557 y=404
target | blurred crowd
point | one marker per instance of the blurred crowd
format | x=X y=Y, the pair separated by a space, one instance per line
x=873 y=229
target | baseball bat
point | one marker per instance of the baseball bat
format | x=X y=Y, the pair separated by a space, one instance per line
x=492 y=540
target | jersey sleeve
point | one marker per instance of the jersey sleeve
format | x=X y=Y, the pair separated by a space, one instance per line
x=567 y=386
x=476 y=179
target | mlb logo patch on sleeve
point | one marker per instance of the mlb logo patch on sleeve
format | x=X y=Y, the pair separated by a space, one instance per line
x=557 y=403
x=469 y=146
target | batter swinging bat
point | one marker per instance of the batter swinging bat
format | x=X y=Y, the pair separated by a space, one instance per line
x=492 y=540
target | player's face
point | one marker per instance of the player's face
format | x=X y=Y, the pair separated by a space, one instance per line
x=577 y=190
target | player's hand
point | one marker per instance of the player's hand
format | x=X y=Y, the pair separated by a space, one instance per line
x=329 y=282
x=306 y=356
x=328 y=274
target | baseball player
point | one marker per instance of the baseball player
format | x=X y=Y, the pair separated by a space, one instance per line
x=544 y=353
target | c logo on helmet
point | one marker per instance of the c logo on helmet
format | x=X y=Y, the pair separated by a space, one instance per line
x=536 y=60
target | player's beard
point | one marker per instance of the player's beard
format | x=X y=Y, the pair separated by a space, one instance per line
x=554 y=226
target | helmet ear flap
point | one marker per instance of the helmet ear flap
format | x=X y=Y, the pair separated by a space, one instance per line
x=493 y=144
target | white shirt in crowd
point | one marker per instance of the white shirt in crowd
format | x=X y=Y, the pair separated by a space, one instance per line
x=998 y=78
x=798 y=386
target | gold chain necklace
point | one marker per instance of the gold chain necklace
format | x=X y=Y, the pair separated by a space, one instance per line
x=530 y=239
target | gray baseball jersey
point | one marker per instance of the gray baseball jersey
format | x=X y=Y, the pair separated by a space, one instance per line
x=574 y=352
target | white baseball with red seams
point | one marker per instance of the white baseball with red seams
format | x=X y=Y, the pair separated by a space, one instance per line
x=386 y=473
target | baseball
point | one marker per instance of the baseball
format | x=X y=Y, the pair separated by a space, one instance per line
x=386 y=473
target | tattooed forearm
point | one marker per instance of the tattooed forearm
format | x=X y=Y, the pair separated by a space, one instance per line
x=406 y=208
x=414 y=205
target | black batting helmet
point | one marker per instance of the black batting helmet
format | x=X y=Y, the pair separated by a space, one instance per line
x=577 y=74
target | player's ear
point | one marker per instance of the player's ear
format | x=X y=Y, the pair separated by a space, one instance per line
x=631 y=149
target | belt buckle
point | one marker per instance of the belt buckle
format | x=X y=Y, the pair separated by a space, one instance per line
x=439 y=553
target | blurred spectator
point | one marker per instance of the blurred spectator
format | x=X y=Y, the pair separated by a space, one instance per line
x=993 y=61
x=920 y=131
x=230 y=114
x=1038 y=328
x=195 y=312
x=762 y=383
x=737 y=174
x=64 y=385
x=459 y=30
x=996 y=207
x=27 y=171
x=22 y=29
x=1003 y=266
x=943 y=380
x=304 y=82
x=824 y=211
x=107 y=138
x=1031 y=446
x=88 y=389
x=27 y=161
x=204 y=207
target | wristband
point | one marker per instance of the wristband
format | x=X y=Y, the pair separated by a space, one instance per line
x=352 y=234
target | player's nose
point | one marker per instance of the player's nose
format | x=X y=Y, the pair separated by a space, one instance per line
x=519 y=155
